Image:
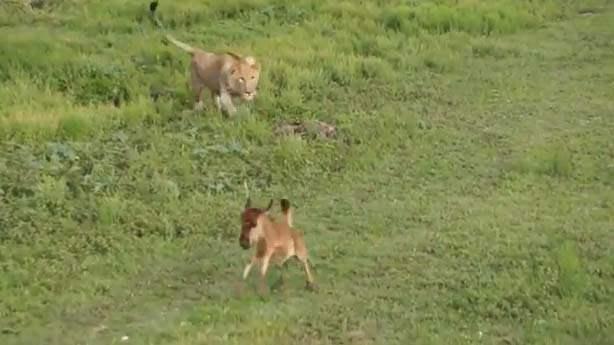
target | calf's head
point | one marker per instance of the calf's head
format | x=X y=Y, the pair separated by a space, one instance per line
x=251 y=226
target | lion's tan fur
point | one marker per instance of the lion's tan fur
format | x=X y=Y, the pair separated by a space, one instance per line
x=225 y=75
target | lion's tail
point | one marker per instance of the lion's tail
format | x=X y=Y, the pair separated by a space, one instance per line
x=183 y=46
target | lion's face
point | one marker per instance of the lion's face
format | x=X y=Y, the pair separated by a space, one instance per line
x=246 y=74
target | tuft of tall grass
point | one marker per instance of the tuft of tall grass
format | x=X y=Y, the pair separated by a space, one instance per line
x=476 y=17
x=571 y=276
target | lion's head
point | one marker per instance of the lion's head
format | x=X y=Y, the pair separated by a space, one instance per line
x=245 y=74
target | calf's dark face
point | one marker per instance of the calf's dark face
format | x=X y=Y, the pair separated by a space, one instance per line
x=248 y=222
x=244 y=241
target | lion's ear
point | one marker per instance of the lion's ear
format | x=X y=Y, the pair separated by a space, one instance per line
x=251 y=61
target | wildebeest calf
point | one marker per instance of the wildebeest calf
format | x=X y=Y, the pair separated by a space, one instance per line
x=275 y=240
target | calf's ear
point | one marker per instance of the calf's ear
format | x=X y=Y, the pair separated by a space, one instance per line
x=269 y=207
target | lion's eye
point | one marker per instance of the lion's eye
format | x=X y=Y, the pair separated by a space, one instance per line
x=253 y=77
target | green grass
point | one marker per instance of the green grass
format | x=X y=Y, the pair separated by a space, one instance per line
x=467 y=199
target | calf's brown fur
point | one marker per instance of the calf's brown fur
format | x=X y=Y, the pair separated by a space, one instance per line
x=272 y=240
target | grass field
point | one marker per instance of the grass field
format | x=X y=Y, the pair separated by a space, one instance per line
x=468 y=197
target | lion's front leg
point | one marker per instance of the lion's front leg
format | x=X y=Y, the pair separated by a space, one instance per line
x=226 y=103
x=217 y=100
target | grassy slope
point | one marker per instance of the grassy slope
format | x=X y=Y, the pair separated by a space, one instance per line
x=469 y=198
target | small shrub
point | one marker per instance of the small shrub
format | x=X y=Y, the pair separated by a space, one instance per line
x=477 y=18
x=74 y=126
x=256 y=130
x=375 y=68
x=341 y=71
x=52 y=191
x=89 y=83
x=290 y=153
x=291 y=102
x=313 y=82
x=283 y=14
x=235 y=9
x=438 y=60
x=165 y=188
x=557 y=163
x=490 y=49
x=100 y=84
x=364 y=46
x=348 y=9
x=551 y=161
x=109 y=210
x=400 y=19
x=136 y=111
x=376 y=45
x=278 y=77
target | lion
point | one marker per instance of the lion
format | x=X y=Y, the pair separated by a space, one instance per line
x=226 y=75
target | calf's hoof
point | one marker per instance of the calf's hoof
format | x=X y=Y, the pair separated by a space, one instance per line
x=311 y=286
x=263 y=290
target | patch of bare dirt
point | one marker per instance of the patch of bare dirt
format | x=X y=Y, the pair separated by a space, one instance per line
x=313 y=129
